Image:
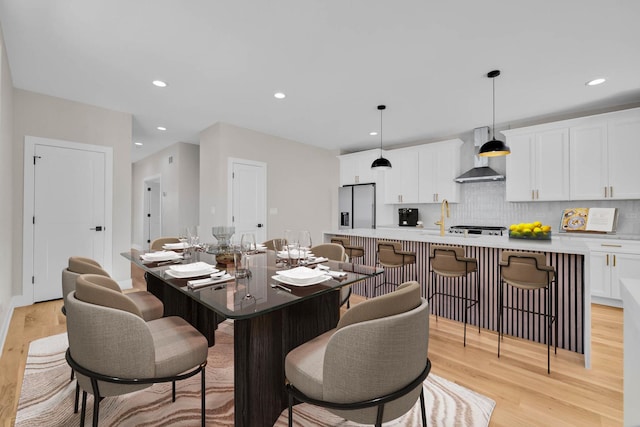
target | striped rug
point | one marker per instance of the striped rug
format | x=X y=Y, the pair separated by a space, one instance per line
x=47 y=395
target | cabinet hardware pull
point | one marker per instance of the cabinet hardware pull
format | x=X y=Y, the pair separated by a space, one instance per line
x=533 y=194
x=605 y=192
x=610 y=245
x=611 y=191
x=357 y=179
x=607 y=262
x=614 y=260
x=537 y=195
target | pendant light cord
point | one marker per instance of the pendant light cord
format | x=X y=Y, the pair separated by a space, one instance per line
x=381 y=132
x=493 y=128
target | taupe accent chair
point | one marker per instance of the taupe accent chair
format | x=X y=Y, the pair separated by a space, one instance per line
x=390 y=256
x=528 y=271
x=371 y=367
x=335 y=252
x=450 y=263
x=158 y=243
x=354 y=252
x=76 y=266
x=114 y=351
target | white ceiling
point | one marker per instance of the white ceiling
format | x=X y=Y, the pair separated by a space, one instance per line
x=335 y=59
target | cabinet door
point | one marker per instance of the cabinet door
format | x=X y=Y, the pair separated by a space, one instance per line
x=623 y=266
x=588 y=162
x=447 y=168
x=624 y=153
x=519 y=185
x=600 y=274
x=348 y=174
x=401 y=182
x=427 y=176
x=552 y=165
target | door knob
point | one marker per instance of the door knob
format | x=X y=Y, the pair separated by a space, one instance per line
x=259 y=225
x=97 y=228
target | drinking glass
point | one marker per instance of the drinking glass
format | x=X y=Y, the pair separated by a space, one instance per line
x=248 y=243
x=280 y=246
x=182 y=238
x=242 y=273
x=293 y=250
x=304 y=239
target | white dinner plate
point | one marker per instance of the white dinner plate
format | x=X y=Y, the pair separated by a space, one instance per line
x=301 y=275
x=287 y=281
x=189 y=274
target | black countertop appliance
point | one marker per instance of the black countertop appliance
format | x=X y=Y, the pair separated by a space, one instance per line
x=407 y=217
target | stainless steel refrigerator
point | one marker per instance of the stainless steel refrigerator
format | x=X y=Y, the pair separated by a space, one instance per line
x=357 y=206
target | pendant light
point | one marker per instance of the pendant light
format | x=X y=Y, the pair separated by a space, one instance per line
x=381 y=163
x=494 y=147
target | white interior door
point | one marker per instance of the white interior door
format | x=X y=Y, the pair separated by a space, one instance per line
x=70 y=204
x=248 y=198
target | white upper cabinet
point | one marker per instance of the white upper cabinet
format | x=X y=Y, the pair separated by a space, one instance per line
x=439 y=166
x=355 y=168
x=588 y=158
x=538 y=166
x=401 y=181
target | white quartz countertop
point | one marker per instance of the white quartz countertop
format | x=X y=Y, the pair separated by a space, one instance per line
x=556 y=244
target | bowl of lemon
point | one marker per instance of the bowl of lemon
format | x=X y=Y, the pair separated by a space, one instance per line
x=530 y=230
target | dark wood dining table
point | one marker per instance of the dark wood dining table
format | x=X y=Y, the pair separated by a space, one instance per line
x=267 y=325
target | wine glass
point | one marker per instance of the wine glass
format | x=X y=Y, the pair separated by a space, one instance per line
x=248 y=243
x=304 y=239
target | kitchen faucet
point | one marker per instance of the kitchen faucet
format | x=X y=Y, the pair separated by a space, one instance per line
x=445 y=202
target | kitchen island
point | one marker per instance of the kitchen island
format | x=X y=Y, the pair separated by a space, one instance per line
x=570 y=258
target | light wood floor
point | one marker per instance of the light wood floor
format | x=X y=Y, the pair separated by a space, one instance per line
x=518 y=381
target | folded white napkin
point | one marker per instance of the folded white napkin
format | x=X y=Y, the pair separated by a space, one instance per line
x=160 y=256
x=336 y=274
x=194 y=284
x=179 y=245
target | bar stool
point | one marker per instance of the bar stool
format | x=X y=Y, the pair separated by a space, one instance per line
x=391 y=255
x=529 y=271
x=450 y=262
x=352 y=251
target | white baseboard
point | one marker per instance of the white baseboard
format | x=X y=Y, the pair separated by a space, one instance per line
x=6 y=321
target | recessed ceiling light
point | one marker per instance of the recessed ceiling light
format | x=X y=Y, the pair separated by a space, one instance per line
x=159 y=83
x=161 y=128
x=138 y=143
x=279 y=95
x=373 y=133
x=596 y=82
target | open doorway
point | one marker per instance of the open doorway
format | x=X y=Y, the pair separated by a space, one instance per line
x=152 y=221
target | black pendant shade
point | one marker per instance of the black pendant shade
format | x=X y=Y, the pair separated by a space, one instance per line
x=494 y=147
x=381 y=163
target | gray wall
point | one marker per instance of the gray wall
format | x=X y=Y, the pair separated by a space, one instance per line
x=7 y=238
x=179 y=180
x=49 y=117
x=302 y=180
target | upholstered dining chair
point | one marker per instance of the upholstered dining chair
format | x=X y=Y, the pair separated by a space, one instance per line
x=271 y=244
x=335 y=252
x=157 y=244
x=528 y=271
x=391 y=256
x=449 y=263
x=150 y=306
x=114 y=351
x=371 y=367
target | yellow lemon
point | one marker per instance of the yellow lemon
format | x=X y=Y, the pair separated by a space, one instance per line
x=526 y=231
x=537 y=230
x=513 y=227
x=546 y=228
x=537 y=224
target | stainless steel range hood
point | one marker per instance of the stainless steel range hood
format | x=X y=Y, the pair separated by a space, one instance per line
x=481 y=171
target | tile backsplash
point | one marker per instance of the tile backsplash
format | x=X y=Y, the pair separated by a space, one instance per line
x=483 y=203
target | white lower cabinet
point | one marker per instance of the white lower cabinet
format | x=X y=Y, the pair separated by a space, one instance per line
x=607 y=268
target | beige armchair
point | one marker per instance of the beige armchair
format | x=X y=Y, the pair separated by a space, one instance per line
x=158 y=243
x=528 y=271
x=370 y=368
x=335 y=252
x=150 y=306
x=114 y=351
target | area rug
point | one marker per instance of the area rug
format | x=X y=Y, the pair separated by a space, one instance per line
x=47 y=396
